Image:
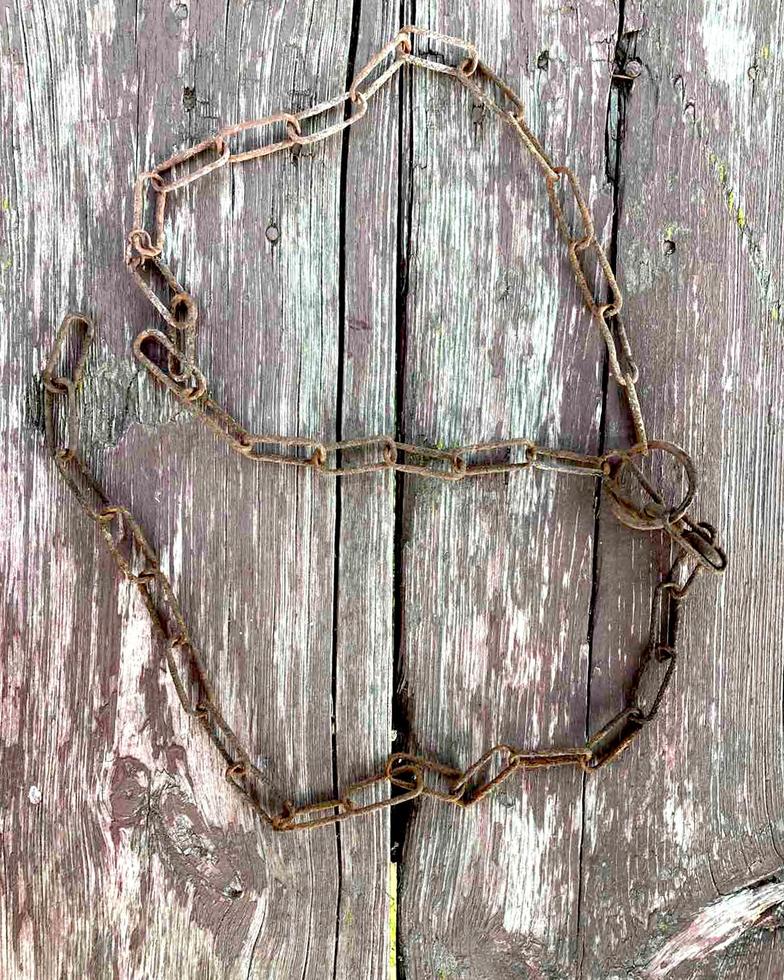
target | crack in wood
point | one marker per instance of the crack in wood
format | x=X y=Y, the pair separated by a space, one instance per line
x=721 y=924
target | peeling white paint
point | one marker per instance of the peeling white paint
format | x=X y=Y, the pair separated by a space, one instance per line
x=679 y=816
x=100 y=23
x=728 y=40
x=135 y=655
x=527 y=848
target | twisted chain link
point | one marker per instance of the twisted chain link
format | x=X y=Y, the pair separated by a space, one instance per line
x=405 y=776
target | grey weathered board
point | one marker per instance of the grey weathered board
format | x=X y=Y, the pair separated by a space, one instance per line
x=407 y=277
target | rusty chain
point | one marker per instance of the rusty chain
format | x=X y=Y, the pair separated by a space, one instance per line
x=405 y=776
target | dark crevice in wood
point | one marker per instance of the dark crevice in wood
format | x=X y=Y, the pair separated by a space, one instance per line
x=401 y=814
x=226 y=17
x=227 y=536
x=613 y=137
x=339 y=389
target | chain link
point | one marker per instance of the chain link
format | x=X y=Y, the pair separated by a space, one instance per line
x=405 y=776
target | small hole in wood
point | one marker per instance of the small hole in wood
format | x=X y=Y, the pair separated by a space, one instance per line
x=189 y=98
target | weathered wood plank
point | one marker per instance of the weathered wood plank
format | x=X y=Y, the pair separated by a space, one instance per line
x=121 y=840
x=695 y=808
x=497 y=573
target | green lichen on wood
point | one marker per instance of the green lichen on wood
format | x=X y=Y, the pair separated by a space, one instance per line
x=763 y=274
x=721 y=171
x=762 y=271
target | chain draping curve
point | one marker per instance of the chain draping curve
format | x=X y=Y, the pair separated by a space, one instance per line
x=404 y=776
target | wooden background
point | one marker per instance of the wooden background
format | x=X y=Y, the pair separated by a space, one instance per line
x=408 y=278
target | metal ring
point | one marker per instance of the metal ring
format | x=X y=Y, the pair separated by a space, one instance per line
x=390 y=452
x=236 y=769
x=403 y=39
x=648 y=519
x=140 y=239
x=293 y=128
x=187 y=301
x=318 y=458
x=458 y=466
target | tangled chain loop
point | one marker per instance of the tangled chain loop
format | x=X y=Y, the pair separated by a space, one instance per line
x=405 y=776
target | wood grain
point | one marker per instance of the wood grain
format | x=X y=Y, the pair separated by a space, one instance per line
x=142 y=861
x=407 y=277
x=497 y=574
x=695 y=809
